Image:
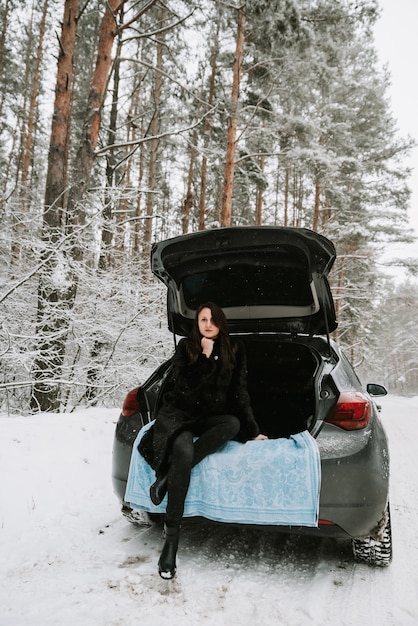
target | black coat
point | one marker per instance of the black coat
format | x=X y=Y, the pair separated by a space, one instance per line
x=195 y=391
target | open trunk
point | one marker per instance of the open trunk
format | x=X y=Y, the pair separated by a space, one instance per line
x=281 y=382
x=266 y=279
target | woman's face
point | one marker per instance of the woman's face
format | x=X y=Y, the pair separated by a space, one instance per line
x=206 y=326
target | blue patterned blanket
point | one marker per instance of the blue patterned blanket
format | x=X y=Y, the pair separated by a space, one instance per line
x=272 y=482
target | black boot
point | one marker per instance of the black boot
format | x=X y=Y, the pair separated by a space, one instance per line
x=158 y=489
x=167 y=561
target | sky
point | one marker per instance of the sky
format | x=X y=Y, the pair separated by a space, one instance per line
x=397 y=46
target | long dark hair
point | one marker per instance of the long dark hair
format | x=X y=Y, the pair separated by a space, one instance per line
x=227 y=349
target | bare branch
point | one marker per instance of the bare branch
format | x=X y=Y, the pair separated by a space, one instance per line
x=140 y=13
x=155 y=32
x=258 y=154
x=173 y=80
x=137 y=142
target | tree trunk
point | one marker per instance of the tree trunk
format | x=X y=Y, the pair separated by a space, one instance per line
x=86 y=152
x=107 y=232
x=286 y=195
x=99 y=346
x=119 y=245
x=189 y=198
x=233 y=122
x=315 y=221
x=187 y=206
x=326 y=213
x=138 y=224
x=207 y=128
x=27 y=148
x=339 y=291
x=317 y=206
x=299 y=205
x=276 y=194
x=51 y=344
x=54 y=219
x=138 y=208
x=259 y=198
x=5 y=15
x=3 y=34
x=154 y=143
x=18 y=222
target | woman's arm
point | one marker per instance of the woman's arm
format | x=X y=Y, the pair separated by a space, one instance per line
x=190 y=377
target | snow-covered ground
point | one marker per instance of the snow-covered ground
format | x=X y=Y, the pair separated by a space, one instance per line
x=68 y=557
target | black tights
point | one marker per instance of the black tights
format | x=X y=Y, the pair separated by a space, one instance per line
x=213 y=432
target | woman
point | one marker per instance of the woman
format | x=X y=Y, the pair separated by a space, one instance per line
x=207 y=398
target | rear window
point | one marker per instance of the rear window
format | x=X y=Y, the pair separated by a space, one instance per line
x=248 y=285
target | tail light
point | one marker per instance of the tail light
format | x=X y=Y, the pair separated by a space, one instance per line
x=352 y=411
x=131 y=404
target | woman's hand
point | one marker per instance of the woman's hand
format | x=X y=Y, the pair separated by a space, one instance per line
x=207 y=346
x=260 y=437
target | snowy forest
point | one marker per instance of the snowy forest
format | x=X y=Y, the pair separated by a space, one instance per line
x=124 y=122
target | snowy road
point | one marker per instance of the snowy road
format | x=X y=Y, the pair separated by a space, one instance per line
x=68 y=557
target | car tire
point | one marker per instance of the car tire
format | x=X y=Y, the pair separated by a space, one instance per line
x=376 y=549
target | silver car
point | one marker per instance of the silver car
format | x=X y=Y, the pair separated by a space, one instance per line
x=272 y=285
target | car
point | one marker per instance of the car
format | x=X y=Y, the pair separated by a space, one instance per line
x=272 y=283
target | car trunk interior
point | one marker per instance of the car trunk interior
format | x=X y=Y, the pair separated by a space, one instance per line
x=281 y=382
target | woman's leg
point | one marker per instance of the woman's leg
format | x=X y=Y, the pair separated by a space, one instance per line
x=214 y=432
x=182 y=454
x=178 y=484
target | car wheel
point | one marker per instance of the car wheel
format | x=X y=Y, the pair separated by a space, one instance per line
x=375 y=549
